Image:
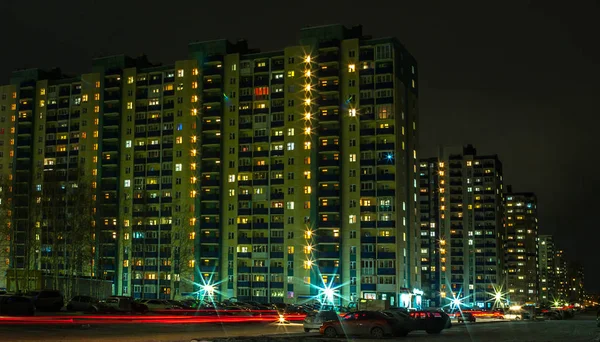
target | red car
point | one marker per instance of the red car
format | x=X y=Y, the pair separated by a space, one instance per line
x=361 y=323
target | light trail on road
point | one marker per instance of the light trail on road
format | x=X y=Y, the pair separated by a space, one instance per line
x=146 y=319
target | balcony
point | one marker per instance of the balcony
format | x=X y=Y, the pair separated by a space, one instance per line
x=326 y=102
x=328 y=193
x=329 y=209
x=328 y=239
x=329 y=57
x=328 y=87
x=386 y=255
x=329 y=177
x=329 y=72
x=386 y=271
x=386 y=224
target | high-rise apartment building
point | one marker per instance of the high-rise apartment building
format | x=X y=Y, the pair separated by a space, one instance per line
x=547 y=279
x=561 y=276
x=521 y=247
x=461 y=199
x=576 y=280
x=275 y=176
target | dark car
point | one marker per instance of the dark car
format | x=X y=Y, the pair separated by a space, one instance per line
x=124 y=304
x=404 y=323
x=11 y=305
x=47 y=300
x=433 y=322
x=361 y=323
x=86 y=304
x=466 y=317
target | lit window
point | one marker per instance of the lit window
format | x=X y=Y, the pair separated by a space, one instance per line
x=352 y=111
x=352 y=219
x=43 y=91
x=129 y=79
x=231 y=192
x=352 y=157
x=195 y=71
x=194 y=85
x=306 y=174
x=194 y=98
x=307 y=189
x=128 y=143
x=97 y=97
x=290 y=146
x=129 y=105
x=84 y=98
x=231 y=178
x=351 y=67
x=180 y=73
x=127 y=183
x=42 y=103
x=307 y=145
x=178 y=140
x=290 y=205
x=178 y=167
x=290 y=73
x=96 y=109
x=290 y=132
x=97 y=84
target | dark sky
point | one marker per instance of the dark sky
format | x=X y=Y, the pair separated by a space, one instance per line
x=512 y=77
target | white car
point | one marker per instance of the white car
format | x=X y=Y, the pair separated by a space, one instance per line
x=314 y=320
x=514 y=315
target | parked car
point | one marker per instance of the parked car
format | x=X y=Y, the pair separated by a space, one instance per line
x=46 y=300
x=314 y=320
x=159 y=304
x=85 y=304
x=360 y=323
x=433 y=322
x=404 y=323
x=516 y=315
x=11 y=305
x=125 y=304
x=466 y=317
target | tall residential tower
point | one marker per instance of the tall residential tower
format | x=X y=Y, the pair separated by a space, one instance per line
x=461 y=199
x=547 y=252
x=277 y=176
x=521 y=247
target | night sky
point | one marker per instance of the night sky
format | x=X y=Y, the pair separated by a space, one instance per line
x=517 y=80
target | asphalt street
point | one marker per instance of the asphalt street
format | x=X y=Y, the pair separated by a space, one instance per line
x=582 y=328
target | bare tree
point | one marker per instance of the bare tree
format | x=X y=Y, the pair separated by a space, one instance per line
x=184 y=251
x=140 y=211
x=79 y=231
x=52 y=210
x=6 y=229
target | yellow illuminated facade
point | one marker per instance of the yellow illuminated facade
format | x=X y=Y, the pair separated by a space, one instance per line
x=263 y=176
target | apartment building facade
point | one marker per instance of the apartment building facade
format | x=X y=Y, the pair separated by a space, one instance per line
x=547 y=252
x=521 y=248
x=278 y=176
x=461 y=200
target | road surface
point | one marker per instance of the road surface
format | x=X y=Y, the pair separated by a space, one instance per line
x=582 y=328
